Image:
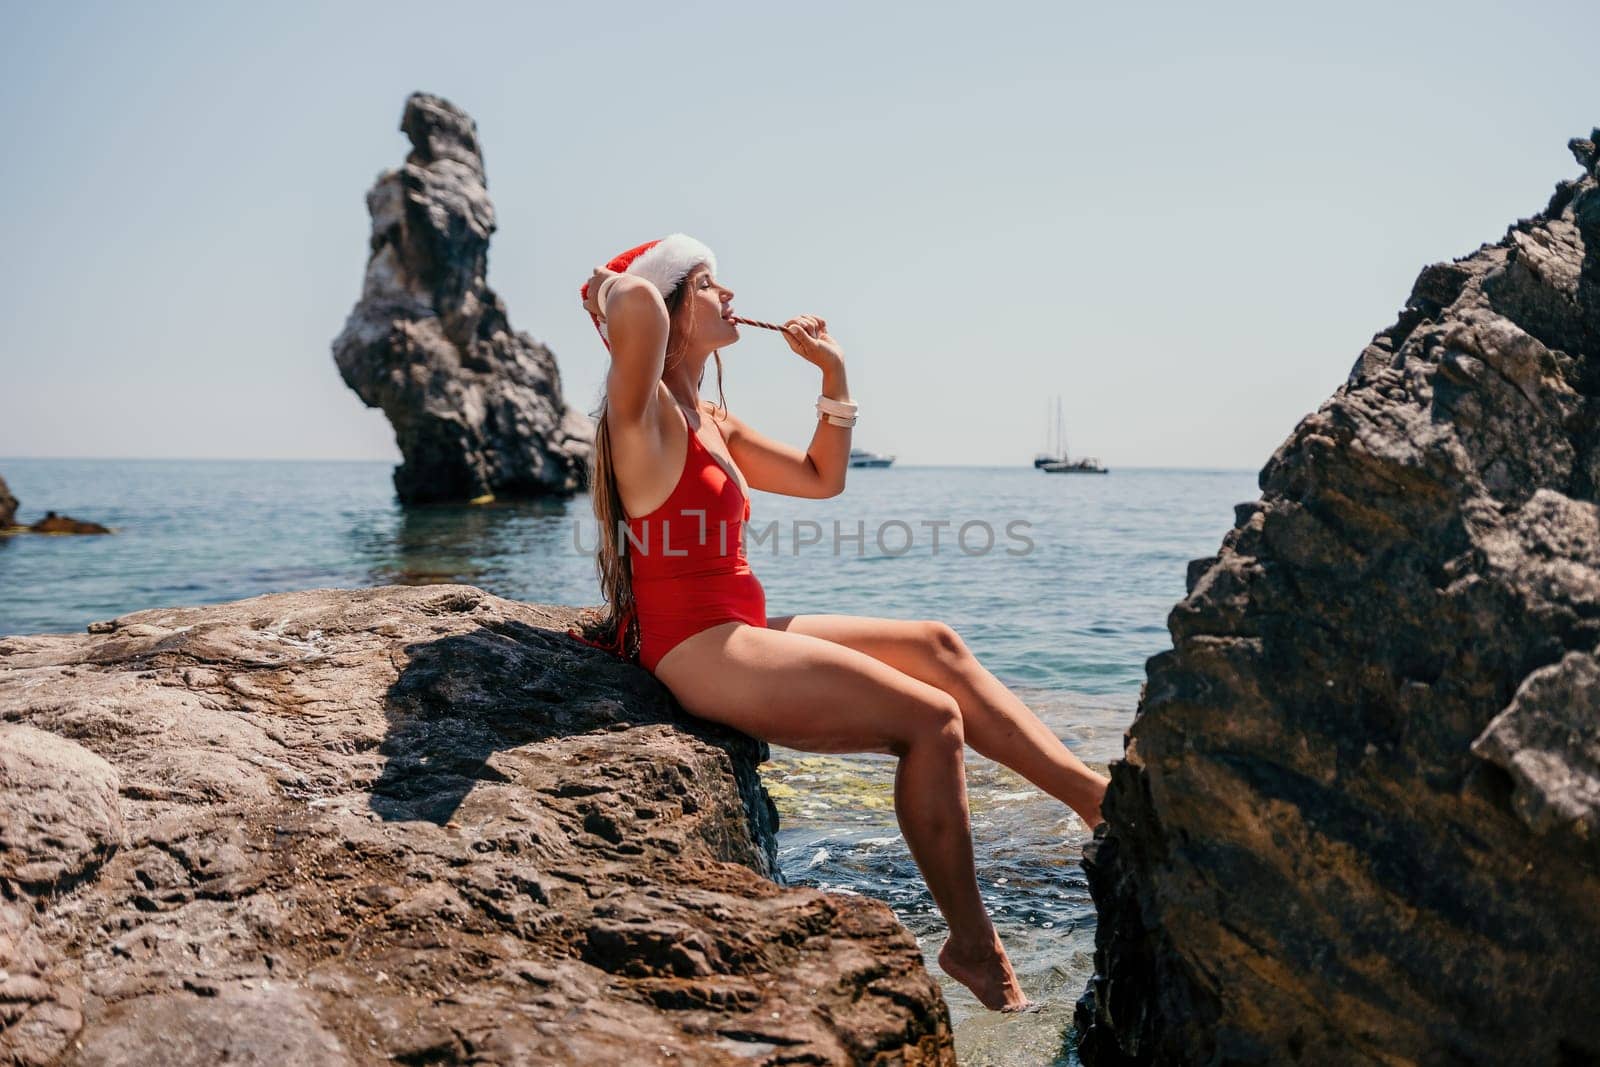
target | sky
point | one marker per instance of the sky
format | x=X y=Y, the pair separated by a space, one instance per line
x=1185 y=220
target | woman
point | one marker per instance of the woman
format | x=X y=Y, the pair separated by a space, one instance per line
x=673 y=471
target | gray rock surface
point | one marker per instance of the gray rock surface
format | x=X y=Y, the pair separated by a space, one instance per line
x=1356 y=818
x=477 y=408
x=406 y=824
x=59 y=813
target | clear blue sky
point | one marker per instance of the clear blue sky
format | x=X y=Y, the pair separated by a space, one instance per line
x=1187 y=219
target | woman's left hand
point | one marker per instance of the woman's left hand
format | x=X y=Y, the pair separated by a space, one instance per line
x=591 y=291
x=808 y=336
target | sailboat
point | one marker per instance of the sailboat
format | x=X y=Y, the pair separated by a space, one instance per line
x=1057 y=462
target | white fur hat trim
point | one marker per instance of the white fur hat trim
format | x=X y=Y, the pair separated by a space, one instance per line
x=666 y=263
x=669 y=261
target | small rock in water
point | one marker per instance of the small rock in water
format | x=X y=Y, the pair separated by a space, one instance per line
x=65 y=524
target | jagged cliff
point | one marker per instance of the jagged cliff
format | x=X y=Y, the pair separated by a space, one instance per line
x=416 y=825
x=1356 y=820
x=477 y=408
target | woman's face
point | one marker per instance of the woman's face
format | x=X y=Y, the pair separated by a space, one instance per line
x=710 y=308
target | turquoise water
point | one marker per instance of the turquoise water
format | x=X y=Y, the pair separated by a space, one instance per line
x=1064 y=606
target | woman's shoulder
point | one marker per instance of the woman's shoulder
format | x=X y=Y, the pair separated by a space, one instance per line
x=726 y=420
x=712 y=408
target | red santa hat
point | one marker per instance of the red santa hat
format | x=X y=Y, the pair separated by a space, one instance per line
x=664 y=263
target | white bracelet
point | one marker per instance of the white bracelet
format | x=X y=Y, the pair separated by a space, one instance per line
x=836 y=412
x=603 y=292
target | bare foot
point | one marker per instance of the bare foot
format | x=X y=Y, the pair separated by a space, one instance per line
x=986 y=971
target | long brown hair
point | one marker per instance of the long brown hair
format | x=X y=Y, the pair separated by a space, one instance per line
x=611 y=564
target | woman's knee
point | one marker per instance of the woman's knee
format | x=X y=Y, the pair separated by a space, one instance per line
x=935 y=721
x=945 y=645
x=946 y=651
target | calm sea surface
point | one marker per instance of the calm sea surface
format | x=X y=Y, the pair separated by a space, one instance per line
x=1060 y=583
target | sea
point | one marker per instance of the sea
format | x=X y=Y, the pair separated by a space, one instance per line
x=1060 y=584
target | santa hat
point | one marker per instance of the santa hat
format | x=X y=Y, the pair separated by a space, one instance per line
x=664 y=263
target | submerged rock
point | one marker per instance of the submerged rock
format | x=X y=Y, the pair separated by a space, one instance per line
x=1356 y=818
x=476 y=407
x=416 y=825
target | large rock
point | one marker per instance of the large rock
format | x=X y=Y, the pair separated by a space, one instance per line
x=1356 y=819
x=413 y=824
x=477 y=408
x=8 y=506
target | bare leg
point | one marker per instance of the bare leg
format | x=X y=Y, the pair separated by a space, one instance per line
x=1007 y=731
x=930 y=799
x=818 y=696
x=997 y=723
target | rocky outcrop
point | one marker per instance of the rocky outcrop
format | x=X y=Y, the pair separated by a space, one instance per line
x=406 y=824
x=51 y=523
x=1356 y=817
x=66 y=524
x=477 y=408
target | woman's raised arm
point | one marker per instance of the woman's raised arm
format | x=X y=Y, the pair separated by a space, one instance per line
x=636 y=327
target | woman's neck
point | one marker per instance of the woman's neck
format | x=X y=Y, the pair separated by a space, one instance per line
x=683 y=382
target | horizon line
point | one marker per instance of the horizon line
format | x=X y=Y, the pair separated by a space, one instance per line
x=346 y=459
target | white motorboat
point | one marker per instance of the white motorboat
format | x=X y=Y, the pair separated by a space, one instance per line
x=860 y=457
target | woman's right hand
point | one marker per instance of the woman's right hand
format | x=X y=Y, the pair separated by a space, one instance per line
x=808 y=337
x=591 y=291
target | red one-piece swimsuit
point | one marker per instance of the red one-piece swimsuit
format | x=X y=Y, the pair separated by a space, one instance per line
x=688 y=561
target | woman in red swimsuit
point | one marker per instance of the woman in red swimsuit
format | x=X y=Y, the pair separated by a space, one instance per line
x=672 y=496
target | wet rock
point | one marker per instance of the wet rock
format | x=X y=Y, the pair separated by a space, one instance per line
x=1356 y=817
x=407 y=824
x=477 y=408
